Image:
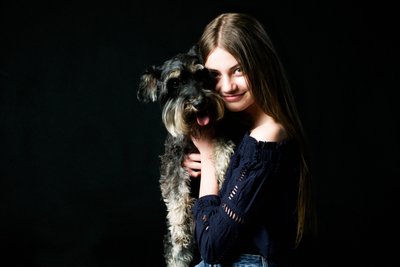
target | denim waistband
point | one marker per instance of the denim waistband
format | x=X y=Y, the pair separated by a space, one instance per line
x=249 y=260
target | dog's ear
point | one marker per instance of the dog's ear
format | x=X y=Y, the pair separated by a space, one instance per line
x=195 y=51
x=148 y=85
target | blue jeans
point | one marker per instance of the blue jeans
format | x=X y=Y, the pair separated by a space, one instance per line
x=245 y=260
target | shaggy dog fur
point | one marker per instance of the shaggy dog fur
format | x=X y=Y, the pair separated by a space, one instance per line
x=185 y=91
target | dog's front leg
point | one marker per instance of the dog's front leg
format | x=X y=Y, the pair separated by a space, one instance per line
x=175 y=190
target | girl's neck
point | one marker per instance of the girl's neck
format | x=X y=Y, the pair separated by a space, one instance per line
x=264 y=127
x=257 y=116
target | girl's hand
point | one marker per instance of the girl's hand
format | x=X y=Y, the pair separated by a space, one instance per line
x=192 y=163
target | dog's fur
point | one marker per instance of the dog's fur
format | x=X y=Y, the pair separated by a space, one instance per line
x=185 y=91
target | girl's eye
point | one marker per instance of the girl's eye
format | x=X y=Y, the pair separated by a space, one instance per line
x=238 y=71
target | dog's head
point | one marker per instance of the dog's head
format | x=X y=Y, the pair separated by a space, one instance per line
x=185 y=90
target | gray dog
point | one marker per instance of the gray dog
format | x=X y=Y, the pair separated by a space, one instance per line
x=185 y=90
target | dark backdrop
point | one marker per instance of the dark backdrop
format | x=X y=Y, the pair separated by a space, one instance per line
x=79 y=154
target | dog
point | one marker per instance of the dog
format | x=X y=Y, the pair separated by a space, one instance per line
x=185 y=91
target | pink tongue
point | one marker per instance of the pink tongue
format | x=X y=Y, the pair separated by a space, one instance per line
x=203 y=121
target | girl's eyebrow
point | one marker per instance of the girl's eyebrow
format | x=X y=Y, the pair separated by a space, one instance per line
x=235 y=67
x=231 y=68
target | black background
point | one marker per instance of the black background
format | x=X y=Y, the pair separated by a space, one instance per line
x=79 y=154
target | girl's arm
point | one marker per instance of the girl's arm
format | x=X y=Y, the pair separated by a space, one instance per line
x=208 y=182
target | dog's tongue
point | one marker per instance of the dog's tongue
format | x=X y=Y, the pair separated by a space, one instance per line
x=203 y=121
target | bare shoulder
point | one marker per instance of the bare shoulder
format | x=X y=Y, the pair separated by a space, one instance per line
x=269 y=132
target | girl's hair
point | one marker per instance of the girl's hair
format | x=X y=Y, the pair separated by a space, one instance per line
x=245 y=38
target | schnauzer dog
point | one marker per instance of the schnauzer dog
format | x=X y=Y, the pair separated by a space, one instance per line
x=185 y=90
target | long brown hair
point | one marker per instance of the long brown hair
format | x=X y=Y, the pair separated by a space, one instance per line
x=245 y=38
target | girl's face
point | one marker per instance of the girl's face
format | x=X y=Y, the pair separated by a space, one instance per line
x=231 y=82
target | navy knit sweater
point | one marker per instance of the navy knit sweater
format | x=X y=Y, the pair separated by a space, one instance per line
x=254 y=211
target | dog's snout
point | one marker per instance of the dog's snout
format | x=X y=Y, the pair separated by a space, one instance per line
x=198 y=103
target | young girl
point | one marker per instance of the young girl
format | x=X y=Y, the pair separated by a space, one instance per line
x=261 y=212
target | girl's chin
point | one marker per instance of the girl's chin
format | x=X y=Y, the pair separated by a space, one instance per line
x=234 y=107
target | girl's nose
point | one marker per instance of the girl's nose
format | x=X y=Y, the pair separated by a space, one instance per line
x=227 y=85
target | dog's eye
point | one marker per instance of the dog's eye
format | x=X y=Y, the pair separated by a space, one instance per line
x=173 y=83
x=215 y=75
x=206 y=77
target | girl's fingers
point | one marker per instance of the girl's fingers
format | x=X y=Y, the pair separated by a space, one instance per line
x=194 y=156
x=193 y=173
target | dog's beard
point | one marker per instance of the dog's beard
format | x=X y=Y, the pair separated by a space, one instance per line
x=181 y=119
x=173 y=119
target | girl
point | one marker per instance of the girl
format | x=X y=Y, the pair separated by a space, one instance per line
x=260 y=214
